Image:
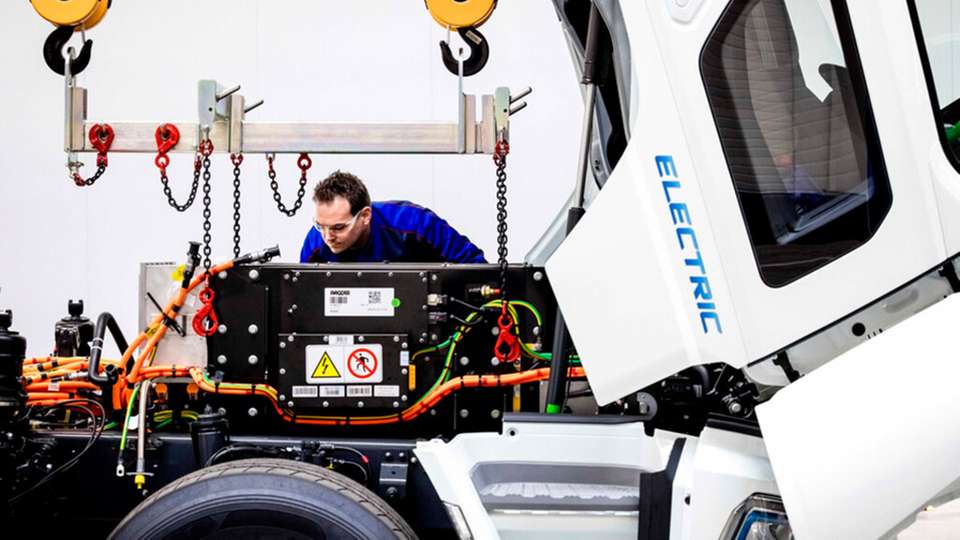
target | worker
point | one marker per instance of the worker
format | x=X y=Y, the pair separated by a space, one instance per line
x=347 y=227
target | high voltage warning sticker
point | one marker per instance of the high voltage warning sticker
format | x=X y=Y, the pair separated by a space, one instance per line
x=325 y=368
x=331 y=364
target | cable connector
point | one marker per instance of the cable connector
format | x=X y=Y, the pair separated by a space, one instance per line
x=261 y=256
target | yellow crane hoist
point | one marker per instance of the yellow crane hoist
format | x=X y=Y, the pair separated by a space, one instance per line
x=464 y=16
x=69 y=16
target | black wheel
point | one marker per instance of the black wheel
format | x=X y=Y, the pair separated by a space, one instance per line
x=263 y=498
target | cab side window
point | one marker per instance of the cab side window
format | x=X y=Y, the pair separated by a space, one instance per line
x=787 y=93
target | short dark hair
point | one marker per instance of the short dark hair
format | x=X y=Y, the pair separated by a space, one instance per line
x=343 y=184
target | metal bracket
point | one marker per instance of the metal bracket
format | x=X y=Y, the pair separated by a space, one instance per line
x=393 y=480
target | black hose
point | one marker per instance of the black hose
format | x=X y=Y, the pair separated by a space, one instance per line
x=104 y=321
x=704 y=377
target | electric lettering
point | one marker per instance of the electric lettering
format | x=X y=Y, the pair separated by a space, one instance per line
x=689 y=245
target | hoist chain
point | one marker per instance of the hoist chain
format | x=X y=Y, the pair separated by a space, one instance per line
x=237 y=160
x=507 y=348
x=206 y=148
x=81 y=182
x=304 y=163
x=193 y=188
x=500 y=159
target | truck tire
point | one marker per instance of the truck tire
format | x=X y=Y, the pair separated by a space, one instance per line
x=263 y=498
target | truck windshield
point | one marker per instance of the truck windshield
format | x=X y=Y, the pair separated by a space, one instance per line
x=937 y=24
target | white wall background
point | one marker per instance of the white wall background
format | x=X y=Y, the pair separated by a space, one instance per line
x=940 y=20
x=363 y=60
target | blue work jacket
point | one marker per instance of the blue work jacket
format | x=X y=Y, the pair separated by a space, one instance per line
x=400 y=231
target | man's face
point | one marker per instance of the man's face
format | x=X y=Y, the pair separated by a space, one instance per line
x=340 y=229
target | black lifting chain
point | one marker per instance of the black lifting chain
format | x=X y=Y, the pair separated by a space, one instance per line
x=206 y=148
x=80 y=181
x=237 y=160
x=304 y=163
x=500 y=159
x=193 y=188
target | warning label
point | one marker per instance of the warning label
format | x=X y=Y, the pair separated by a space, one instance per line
x=333 y=364
x=325 y=368
x=362 y=363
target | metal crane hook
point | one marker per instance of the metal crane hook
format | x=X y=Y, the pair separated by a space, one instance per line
x=479 y=52
x=53 y=51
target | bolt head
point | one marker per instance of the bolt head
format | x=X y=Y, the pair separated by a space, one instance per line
x=253 y=329
x=253 y=359
x=495 y=330
x=404 y=345
x=283 y=371
x=221 y=359
x=396 y=339
x=495 y=414
x=254 y=275
x=464 y=413
x=360 y=404
x=282 y=397
x=283 y=345
x=538 y=276
x=290 y=403
x=494 y=361
x=222 y=328
x=396 y=404
x=403 y=371
x=360 y=339
x=326 y=403
x=464 y=361
x=251 y=412
x=403 y=398
x=222 y=275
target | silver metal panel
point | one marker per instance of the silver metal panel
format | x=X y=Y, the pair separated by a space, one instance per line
x=190 y=350
x=488 y=134
x=76 y=114
x=351 y=138
x=236 y=124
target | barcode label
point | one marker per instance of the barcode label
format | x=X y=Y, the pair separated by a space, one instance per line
x=305 y=391
x=331 y=391
x=359 y=391
x=359 y=302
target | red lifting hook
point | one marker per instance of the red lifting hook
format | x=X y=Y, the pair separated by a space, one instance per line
x=507 y=348
x=101 y=138
x=167 y=137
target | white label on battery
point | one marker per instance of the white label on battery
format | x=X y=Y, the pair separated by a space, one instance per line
x=358 y=302
x=54 y=386
x=305 y=391
x=331 y=391
x=340 y=339
x=359 y=391
x=332 y=364
x=404 y=358
x=386 y=390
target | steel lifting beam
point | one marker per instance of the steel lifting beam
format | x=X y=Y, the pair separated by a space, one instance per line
x=223 y=111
